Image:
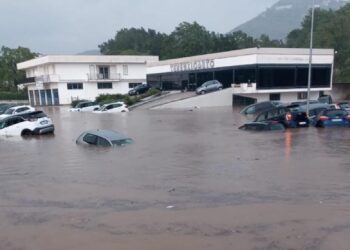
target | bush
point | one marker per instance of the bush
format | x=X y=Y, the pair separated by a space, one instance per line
x=9 y=95
x=128 y=100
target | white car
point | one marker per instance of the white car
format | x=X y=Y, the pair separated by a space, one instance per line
x=33 y=123
x=17 y=110
x=86 y=106
x=114 y=107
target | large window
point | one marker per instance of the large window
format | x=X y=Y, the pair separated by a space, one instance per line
x=273 y=77
x=74 y=85
x=103 y=72
x=293 y=76
x=246 y=75
x=104 y=85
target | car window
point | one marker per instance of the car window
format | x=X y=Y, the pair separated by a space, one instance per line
x=117 y=105
x=108 y=107
x=122 y=141
x=22 y=109
x=10 y=111
x=261 y=117
x=90 y=139
x=336 y=113
x=102 y=142
x=250 y=110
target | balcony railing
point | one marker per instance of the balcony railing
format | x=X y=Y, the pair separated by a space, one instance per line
x=240 y=88
x=104 y=77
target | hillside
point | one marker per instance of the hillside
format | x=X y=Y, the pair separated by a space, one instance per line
x=283 y=17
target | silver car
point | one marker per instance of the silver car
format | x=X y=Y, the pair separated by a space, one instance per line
x=209 y=86
x=104 y=138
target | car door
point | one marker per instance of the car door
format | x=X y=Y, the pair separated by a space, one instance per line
x=13 y=126
x=117 y=107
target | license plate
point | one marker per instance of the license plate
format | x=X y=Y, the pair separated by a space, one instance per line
x=337 y=120
x=302 y=123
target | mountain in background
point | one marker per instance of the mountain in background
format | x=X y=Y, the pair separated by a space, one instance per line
x=90 y=53
x=284 y=16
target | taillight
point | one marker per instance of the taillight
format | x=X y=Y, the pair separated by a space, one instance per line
x=348 y=118
x=324 y=118
x=289 y=116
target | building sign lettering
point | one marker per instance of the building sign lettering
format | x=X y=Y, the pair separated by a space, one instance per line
x=196 y=65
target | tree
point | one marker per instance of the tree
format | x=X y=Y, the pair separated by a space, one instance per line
x=331 y=30
x=9 y=75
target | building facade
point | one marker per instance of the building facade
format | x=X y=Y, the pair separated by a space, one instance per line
x=57 y=80
x=255 y=74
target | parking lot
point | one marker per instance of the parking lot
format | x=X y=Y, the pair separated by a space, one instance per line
x=191 y=180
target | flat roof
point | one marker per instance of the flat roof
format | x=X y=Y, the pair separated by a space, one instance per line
x=244 y=52
x=100 y=59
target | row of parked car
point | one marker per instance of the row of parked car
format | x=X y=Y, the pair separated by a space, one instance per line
x=89 y=106
x=277 y=116
x=23 y=120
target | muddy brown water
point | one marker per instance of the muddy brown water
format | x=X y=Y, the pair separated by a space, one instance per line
x=191 y=180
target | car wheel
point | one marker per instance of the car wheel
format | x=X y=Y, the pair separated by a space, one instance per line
x=202 y=92
x=26 y=132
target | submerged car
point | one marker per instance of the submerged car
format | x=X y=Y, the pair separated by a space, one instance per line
x=284 y=115
x=344 y=105
x=85 y=106
x=115 y=107
x=333 y=117
x=32 y=123
x=139 y=89
x=4 y=107
x=17 y=110
x=263 y=126
x=104 y=138
x=259 y=107
x=209 y=86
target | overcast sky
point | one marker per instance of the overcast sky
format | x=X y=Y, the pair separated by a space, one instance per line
x=73 y=26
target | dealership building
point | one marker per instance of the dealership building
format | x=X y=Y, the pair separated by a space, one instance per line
x=255 y=74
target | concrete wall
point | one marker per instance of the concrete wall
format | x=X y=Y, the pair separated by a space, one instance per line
x=214 y=99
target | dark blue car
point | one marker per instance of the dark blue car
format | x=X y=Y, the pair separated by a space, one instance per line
x=333 y=117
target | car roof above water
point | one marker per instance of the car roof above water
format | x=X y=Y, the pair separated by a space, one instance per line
x=108 y=134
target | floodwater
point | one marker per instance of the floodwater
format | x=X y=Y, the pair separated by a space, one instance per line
x=191 y=180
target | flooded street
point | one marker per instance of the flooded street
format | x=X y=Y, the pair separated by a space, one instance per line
x=191 y=180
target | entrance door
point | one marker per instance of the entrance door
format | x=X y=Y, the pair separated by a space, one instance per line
x=56 y=99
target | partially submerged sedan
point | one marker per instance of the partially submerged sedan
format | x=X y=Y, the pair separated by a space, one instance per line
x=85 y=106
x=263 y=126
x=115 y=107
x=104 y=138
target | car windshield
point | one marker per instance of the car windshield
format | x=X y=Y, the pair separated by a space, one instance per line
x=9 y=111
x=122 y=142
x=335 y=113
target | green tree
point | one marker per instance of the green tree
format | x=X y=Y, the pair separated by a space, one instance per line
x=331 y=30
x=9 y=75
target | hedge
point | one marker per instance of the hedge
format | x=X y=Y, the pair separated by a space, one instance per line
x=7 y=95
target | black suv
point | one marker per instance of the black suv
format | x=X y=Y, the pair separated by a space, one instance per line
x=288 y=117
x=139 y=89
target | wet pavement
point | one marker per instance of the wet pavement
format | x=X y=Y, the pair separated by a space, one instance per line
x=191 y=180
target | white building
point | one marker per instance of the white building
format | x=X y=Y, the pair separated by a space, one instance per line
x=58 y=79
x=255 y=74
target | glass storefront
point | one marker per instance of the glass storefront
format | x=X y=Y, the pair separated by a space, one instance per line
x=266 y=77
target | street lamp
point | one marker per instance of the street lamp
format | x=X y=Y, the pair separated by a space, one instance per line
x=310 y=57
